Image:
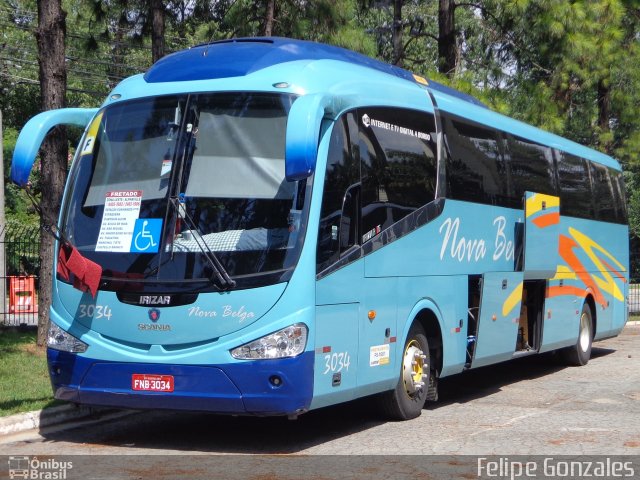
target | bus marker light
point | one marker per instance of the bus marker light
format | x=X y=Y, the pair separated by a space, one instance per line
x=420 y=80
x=371 y=315
x=494 y=317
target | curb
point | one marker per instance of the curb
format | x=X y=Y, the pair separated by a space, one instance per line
x=48 y=417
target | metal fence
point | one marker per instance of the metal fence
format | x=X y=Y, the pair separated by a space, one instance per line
x=634 y=276
x=19 y=282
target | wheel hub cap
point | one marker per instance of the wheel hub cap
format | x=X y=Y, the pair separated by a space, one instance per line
x=414 y=368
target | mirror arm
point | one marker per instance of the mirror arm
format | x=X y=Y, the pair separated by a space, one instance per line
x=303 y=133
x=33 y=133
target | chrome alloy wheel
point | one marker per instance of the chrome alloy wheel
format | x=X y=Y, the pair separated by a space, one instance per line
x=585 y=331
x=414 y=368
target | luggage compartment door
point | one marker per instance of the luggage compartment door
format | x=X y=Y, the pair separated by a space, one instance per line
x=542 y=214
x=499 y=318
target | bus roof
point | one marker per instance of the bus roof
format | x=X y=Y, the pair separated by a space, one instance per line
x=241 y=57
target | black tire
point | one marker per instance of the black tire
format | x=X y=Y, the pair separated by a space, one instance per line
x=580 y=353
x=407 y=400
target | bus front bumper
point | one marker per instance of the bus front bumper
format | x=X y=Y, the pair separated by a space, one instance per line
x=258 y=387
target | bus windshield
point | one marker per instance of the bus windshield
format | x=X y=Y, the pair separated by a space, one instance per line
x=163 y=185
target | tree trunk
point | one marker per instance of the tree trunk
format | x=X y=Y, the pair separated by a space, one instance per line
x=604 y=109
x=269 y=17
x=398 y=49
x=118 y=49
x=446 y=37
x=157 y=30
x=50 y=37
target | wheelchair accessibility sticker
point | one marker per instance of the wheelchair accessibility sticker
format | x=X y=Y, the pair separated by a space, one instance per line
x=146 y=235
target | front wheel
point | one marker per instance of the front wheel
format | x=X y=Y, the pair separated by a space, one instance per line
x=407 y=399
x=580 y=353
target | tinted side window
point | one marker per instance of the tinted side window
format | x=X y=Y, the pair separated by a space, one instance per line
x=575 y=187
x=338 y=213
x=475 y=166
x=603 y=194
x=620 y=195
x=531 y=168
x=398 y=165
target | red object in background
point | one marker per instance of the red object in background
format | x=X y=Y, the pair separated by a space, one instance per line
x=22 y=295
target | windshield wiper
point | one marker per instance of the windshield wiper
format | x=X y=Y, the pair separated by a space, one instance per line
x=219 y=275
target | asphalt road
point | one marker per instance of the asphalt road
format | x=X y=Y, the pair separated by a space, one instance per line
x=532 y=406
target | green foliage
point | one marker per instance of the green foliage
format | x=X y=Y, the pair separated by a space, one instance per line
x=18 y=208
x=572 y=68
x=634 y=212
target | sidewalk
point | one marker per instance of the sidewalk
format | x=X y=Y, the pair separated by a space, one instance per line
x=48 y=417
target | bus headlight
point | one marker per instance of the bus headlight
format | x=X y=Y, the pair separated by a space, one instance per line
x=288 y=342
x=58 y=339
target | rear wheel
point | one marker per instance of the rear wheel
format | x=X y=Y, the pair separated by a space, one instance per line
x=407 y=399
x=580 y=353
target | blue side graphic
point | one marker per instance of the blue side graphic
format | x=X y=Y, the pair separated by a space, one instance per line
x=146 y=235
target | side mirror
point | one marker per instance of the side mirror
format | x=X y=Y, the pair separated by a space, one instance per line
x=33 y=133
x=303 y=133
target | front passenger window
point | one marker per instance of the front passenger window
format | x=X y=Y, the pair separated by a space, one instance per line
x=339 y=214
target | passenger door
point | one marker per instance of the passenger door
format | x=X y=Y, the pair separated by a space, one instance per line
x=339 y=272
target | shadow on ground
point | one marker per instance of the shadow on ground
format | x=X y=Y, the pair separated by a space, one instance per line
x=202 y=432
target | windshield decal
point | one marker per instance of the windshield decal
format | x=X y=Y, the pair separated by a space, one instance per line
x=121 y=210
x=146 y=235
x=90 y=139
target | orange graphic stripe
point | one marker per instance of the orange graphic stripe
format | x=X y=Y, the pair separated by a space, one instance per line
x=565 y=290
x=547 y=219
x=566 y=246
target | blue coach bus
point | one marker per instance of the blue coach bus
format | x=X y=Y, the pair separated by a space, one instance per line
x=268 y=226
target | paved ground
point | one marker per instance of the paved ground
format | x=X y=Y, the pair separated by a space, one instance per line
x=530 y=406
